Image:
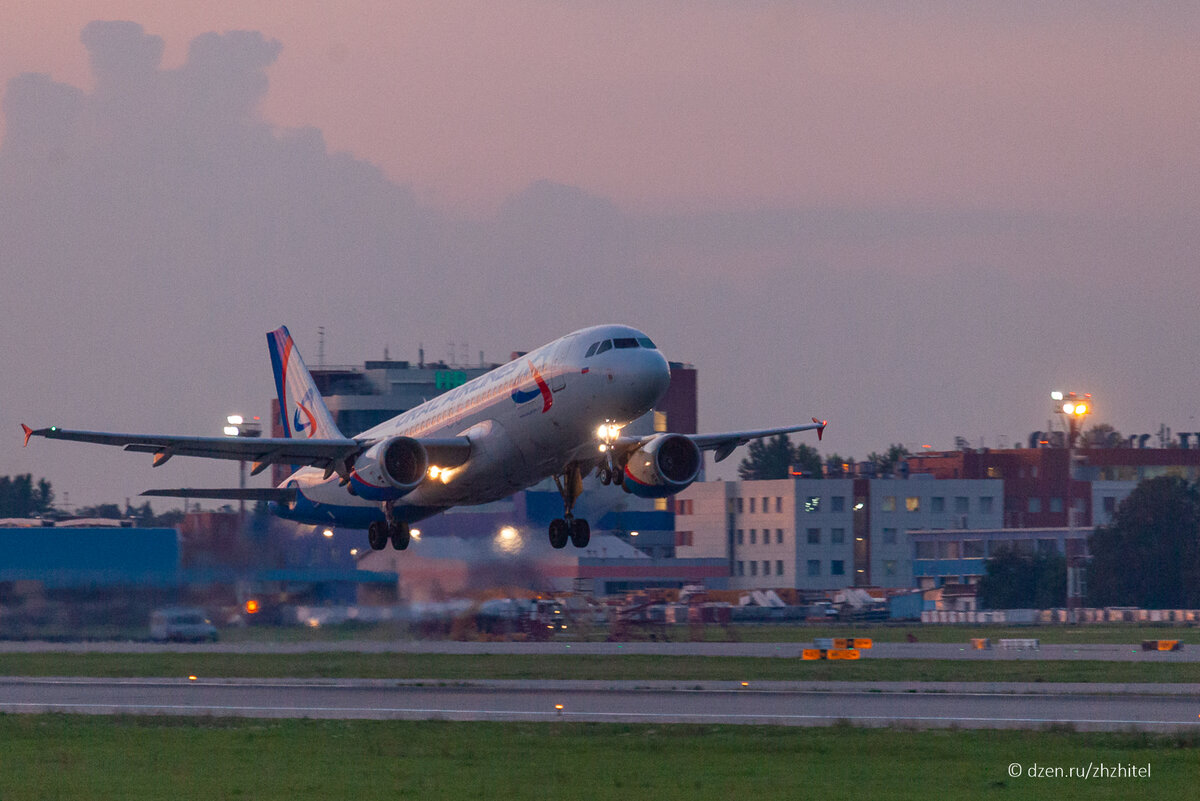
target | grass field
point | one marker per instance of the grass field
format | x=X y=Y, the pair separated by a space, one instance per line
x=82 y=758
x=455 y=667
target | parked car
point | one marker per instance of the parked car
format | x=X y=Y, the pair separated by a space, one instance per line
x=181 y=624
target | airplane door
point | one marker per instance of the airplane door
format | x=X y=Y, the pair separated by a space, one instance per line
x=558 y=361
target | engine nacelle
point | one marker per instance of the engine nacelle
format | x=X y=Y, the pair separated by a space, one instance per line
x=663 y=466
x=390 y=469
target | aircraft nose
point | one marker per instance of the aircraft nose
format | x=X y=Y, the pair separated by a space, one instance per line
x=651 y=376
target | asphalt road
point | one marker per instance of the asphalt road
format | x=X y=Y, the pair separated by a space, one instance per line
x=1084 y=707
x=1120 y=653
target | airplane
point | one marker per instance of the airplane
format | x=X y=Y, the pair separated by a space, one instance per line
x=556 y=412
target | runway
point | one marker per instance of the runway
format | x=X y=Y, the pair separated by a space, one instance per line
x=1113 y=653
x=1084 y=707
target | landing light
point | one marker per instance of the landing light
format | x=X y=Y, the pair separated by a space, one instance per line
x=230 y=431
x=1069 y=408
x=434 y=472
x=327 y=533
x=234 y=420
x=508 y=533
x=415 y=533
x=1056 y=396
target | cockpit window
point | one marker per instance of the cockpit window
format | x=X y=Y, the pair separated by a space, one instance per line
x=605 y=345
x=646 y=343
x=591 y=350
x=625 y=342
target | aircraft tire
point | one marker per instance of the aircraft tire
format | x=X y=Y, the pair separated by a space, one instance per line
x=618 y=476
x=401 y=536
x=377 y=535
x=581 y=533
x=559 y=533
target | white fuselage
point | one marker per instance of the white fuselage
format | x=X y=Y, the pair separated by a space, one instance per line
x=526 y=420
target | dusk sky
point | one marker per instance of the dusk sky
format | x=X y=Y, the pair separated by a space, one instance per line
x=913 y=219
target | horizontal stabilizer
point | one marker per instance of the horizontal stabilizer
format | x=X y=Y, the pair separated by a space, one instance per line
x=247 y=494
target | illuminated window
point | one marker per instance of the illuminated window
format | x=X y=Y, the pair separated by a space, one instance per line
x=889 y=503
x=912 y=503
x=660 y=421
x=995 y=472
x=812 y=503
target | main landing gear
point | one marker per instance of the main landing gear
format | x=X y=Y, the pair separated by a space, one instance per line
x=569 y=527
x=379 y=532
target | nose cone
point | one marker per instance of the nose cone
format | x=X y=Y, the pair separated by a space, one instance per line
x=647 y=377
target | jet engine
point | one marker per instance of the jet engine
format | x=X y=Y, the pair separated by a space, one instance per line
x=663 y=466
x=393 y=467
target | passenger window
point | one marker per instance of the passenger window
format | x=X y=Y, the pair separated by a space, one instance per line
x=605 y=345
x=646 y=343
x=625 y=342
x=592 y=349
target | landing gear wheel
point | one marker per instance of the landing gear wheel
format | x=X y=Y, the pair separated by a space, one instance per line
x=377 y=535
x=618 y=476
x=401 y=535
x=559 y=533
x=605 y=475
x=581 y=532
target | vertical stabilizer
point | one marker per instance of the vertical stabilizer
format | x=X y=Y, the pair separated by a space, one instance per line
x=301 y=409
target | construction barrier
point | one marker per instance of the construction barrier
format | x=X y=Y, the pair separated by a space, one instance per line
x=981 y=643
x=829 y=653
x=1162 y=645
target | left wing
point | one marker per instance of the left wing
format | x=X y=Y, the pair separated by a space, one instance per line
x=330 y=454
x=725 y=444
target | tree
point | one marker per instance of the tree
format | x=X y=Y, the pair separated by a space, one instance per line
x=886 y=462
x=1149 y=555
x=1016 y=580
x=19 y=497
x=773 y=458
x=1101 y=435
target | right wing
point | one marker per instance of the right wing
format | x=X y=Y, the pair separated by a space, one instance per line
x=333 y=455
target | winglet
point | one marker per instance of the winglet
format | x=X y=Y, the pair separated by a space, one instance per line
x=820 y=427
x=28 y=434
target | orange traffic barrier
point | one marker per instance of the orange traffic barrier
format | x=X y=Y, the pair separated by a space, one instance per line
x=864 y=643
x=811 y=653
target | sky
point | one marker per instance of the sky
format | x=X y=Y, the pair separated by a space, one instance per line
x=914 y=220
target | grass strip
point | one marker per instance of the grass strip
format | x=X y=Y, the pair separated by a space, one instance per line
x=462 y=667
x=84 y=758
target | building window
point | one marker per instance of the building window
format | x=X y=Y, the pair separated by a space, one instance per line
x=766 y=568
x=837 y=535
x=995 y=472
x=837 y=568
x=1035 y=505
x=912 y=503
x=937 y=504
x=889 y=503
x=740 y=503
x=741 y=537
x=814 y=567
x=754 y=568
x=889 y=567
x=1110 y=505
x=812 y=503
x=779 y=536
x=753 y=536
x=1047 y=546
x=839 y=503
x=972 y=549
x=1056 y=505
x=741 y=568
x=685 y=538
x=765 y=508
x=948 y=549
x=779 y=504
x=889 y=536
x=814 y=536
x=985 y=505
x=961 y=505
x=752 y=500
x=925 y=549
x=684 y=507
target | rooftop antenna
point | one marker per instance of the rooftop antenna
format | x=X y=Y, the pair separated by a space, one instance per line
x=321 y=345
x=421 y=355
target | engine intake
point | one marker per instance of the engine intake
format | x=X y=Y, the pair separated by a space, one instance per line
x=392 y=467
x=663 y=466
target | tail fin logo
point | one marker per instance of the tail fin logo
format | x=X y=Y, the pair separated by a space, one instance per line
x=309 y=424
